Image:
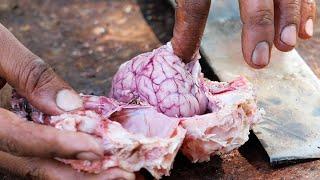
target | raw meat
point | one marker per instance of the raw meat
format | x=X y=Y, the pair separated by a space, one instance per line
x=161 y=79
x=128 y=132
x=233 y=111
x=162 y=102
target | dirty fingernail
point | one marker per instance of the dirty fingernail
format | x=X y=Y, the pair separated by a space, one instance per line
x=88 y=156
x=68 y=100
x=289 y=35
x=260 y=56
x=309 y=27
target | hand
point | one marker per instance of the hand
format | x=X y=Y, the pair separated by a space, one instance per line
x=278 y=22
x=36 y=168
x=36 y=81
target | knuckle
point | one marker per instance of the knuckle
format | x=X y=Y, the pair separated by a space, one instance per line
x=263 y=17
x=36 y=75
x=293 y=3
x=59 y=147
x=9 y=146
x=291 y=10
x=37 y=170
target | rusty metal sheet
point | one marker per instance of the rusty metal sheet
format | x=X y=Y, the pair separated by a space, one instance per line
x=287 y=89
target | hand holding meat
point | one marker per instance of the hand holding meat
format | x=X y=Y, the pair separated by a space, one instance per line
x=278 y=22
x=36 y=81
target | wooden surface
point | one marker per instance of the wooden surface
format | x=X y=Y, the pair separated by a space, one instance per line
x=85 y=41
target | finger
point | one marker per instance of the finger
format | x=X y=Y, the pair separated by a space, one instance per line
x=36 y=168
x=25 y=138
x=287 y=23
x=258 y=31
x=190 y=21
x=33 y=78
x=308 y=16
x=2 y=83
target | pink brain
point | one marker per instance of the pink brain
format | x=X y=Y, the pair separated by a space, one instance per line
x=161 y=79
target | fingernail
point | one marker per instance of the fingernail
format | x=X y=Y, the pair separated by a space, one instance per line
x=68 y=100
x=260 y=56
x=289 y=35
x=309 y=27
x=88 y=156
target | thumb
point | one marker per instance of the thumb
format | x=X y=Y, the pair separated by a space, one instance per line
x=33 y=78
x=25 y=138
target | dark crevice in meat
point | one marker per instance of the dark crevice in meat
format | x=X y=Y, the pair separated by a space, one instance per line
x=207 y=70
x=20 y=106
